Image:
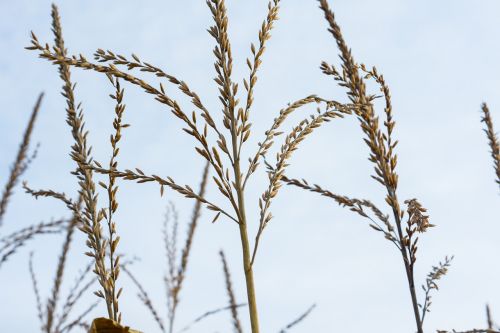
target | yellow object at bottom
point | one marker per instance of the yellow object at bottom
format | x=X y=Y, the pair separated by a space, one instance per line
x=104 y=325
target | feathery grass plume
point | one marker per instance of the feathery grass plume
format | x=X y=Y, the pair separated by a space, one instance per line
x=230 y=293
x=492 y=140
x=230 y=136
x=90 y=219
x=22 y=160
x=380 y=144
x=382 y=154
x=299 y=319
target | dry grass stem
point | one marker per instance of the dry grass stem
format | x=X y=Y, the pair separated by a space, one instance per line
x=91 y=217
x=145 y=299
x=382 y=154
x=177 y=271
x=22 y=160
x=492 y=140
x=112 y=189
x=356 y=205
x=292 y=141
x=489 y=320
x=36 y=290
x=230 y=293
x=11 y=243
x=140 y=177
x=53 y=300
x=208 y=314
x=170 y=278
x=381 y=144
x=299 y=319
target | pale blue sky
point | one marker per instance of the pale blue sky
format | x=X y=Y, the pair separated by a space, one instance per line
x=440 y=59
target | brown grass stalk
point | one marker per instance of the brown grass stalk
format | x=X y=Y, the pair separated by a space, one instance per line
x=36 y=290
x=22 y=160
x=56 y=288
x=81 y=155
x=230 y=294
x=112 y=189
x=382 y=155
x=208 y=314
x=492 y=140
x=489 y=320
x=91 y=217
x=299 y=319
x=146 y=300
x=380 y=144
